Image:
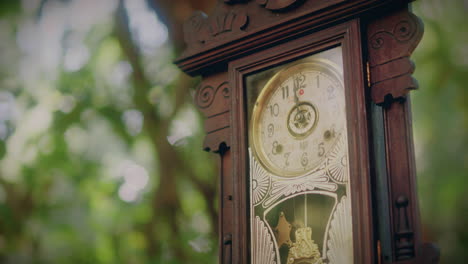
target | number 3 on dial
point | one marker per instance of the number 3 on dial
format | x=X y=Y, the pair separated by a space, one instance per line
x=295 y=113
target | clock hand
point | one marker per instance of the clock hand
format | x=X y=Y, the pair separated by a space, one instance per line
x=295 y=89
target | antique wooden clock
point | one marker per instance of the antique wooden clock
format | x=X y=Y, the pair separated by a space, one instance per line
x=307 y=106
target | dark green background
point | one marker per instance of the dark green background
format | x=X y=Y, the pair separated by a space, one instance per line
x=65 y=139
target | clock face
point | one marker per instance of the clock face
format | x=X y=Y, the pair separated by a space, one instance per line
x=298 y=118
x=300 y=205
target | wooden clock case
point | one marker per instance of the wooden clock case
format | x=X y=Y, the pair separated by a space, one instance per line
x=377 y=38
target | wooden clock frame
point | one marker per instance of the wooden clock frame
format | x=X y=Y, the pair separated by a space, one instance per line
x=377 y=38
x=347 y=36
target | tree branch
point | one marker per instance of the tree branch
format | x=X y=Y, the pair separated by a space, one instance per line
x=165 y=201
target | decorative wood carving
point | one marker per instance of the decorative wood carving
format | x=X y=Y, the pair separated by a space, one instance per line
x=277 y=4
x=404 y=211
x=200 y=29
x=391 y=41
x=213 y=99
x=269 y=4
x=212 y=41
x=404 y=233
x=250 y=35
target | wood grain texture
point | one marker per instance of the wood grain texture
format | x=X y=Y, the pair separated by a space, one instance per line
x=201 y=29
x=278 y=4
x=348 y=36
x=242 y=37
x=213 y=97
x=226 y=206
x=404 y=210
x=263 y=28
x=391 y=40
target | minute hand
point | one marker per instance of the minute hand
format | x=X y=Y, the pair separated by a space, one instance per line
x=295 y=89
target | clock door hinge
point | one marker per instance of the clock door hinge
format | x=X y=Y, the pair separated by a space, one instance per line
x=368 y=74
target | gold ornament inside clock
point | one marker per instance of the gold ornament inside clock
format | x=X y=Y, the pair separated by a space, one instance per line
x=298 y=117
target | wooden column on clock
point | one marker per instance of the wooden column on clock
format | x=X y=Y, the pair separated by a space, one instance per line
x=242 y=37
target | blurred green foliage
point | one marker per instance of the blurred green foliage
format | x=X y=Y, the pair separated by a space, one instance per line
x=93 y=127
x=440 y=117
x=97 y=139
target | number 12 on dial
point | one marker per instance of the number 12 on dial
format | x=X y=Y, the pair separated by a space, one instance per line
x=299 y=187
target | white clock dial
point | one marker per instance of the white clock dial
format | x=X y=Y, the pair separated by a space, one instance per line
x=298 y=117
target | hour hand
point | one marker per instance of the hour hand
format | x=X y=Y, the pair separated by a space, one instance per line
x=296 y=98
x=296 y=88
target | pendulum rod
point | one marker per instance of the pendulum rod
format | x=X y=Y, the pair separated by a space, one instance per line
x=305 y=210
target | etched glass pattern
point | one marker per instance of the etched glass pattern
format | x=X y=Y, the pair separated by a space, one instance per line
x=300 y=204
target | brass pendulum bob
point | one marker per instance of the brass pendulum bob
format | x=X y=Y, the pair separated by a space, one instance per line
x=304 y=250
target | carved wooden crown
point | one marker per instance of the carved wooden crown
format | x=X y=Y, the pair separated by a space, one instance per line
x=237 y=28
